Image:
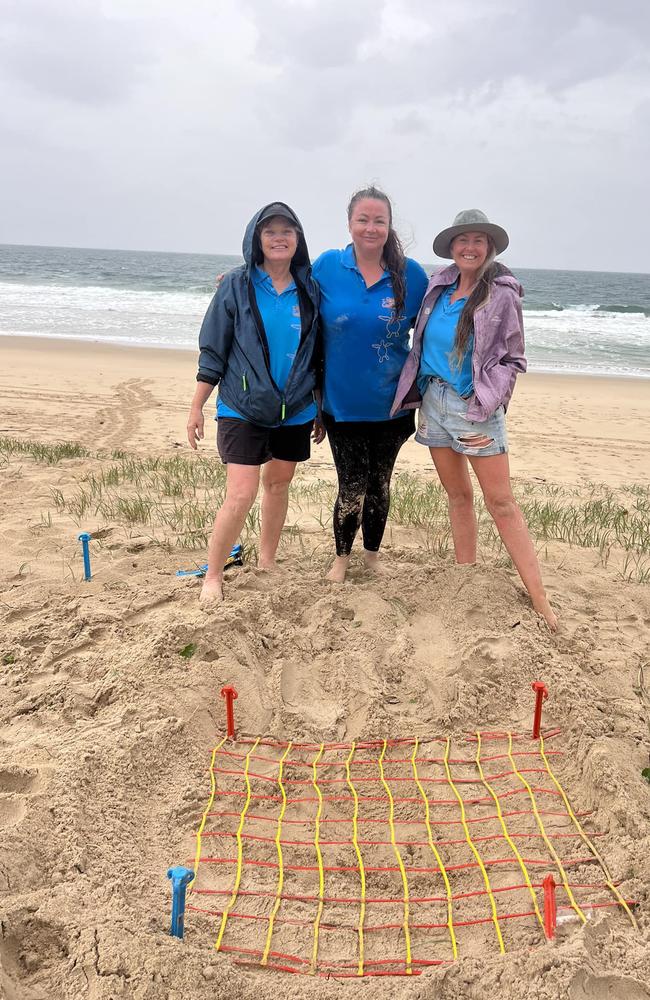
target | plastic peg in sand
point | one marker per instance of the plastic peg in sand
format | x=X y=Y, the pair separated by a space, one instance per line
x=541 y=694
x=229 y=694
x=181 y=878
x=84 y=538
x=550 y=907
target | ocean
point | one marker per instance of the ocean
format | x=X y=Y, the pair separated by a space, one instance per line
x=578 y=322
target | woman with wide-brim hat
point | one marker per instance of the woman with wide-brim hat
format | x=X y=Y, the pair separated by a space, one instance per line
x=468 y=348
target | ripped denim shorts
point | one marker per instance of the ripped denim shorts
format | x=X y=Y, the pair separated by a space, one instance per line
x=443 y=423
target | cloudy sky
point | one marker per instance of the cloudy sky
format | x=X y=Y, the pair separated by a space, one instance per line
x=151 y=124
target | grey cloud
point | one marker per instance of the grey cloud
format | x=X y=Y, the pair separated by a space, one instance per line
x=553 y=45
x=72 y=52
x=314 y=35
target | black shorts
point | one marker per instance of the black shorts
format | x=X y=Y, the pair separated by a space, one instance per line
x=242 y=443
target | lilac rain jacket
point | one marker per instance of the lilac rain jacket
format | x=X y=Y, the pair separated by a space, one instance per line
x=498 y=354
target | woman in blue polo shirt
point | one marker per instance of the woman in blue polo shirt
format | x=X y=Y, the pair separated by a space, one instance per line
x=258 y=343
x=370 y=296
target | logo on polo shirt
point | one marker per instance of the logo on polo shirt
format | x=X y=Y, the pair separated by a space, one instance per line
x=388 y=303
x=382 y=351
x=296 y=311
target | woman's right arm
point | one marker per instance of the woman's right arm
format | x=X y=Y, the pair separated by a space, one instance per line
x=195 y=421
x=215 y=341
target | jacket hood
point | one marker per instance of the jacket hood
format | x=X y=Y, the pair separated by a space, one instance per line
x=449 y=274
x=252 y=250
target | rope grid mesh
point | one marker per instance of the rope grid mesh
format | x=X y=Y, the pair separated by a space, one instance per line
x=384 y=857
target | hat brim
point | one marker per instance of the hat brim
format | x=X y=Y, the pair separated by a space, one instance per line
x=443 y=241
x=275 y=210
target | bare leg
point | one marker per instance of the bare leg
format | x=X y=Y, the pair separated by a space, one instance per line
x=453 y=471
x=242 y=482
x=276 y=477
x=493 y=473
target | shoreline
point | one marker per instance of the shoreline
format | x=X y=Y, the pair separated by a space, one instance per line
x=563 y=428
x=25 y=340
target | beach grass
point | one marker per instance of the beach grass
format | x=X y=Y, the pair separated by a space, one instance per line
x=176 y=497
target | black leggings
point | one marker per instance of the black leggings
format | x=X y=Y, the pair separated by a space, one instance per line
x=364 y=455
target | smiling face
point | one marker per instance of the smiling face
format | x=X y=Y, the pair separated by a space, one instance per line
x=469 y=251
x=369 y=224
x=279 y=240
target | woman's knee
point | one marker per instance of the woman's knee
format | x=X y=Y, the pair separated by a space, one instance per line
x=502 y=507
x=276 y=487
x=460 y=496
x=240 y=496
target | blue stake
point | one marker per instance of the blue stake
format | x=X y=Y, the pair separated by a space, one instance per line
x=181 y=878
x=84 y=538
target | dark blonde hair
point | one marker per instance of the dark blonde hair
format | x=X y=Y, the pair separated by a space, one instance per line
x=393 y=252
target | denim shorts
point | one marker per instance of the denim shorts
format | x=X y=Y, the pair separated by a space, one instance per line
x=443 y=423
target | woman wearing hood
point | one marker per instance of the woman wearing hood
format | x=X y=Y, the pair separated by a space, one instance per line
x=258 y=343
x=468 y=347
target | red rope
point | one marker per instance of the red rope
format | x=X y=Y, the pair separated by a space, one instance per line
x=390 y=900
x=403 y=822
x=389 y=777
x=384 y=798
x=400 y=843
x=410 y=869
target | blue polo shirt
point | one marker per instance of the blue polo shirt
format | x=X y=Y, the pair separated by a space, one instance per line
x=281 y=318
x=438 y=343
x=364 y=345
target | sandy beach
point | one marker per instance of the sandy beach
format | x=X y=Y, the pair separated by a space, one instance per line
x=107 y=728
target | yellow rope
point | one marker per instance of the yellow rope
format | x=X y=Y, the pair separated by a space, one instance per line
x=321 y=877
x=213 y=792
x=240 y=849
x=355 y=843
x=513 y=846
x=486 y=880
x=554 y=855
x=398 y=856
x=610 y=885
x=439 y=861
x=278 y=846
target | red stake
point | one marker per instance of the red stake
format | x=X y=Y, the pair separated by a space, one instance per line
x=229 y=694
x=541 y=692
x=550 y=907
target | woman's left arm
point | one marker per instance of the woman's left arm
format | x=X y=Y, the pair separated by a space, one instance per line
x=513 y=323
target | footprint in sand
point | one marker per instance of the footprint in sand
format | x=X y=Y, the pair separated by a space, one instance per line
x=29 y=947
x=17 y=785
x=587 y=987
x=303 y=695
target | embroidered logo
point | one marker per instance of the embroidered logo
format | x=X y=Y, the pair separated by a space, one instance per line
x=393 y=322
x=382 y=351
x=388 y=303
x=296 y=311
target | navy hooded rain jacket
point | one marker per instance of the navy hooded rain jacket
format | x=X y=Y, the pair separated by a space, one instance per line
x=234 y=352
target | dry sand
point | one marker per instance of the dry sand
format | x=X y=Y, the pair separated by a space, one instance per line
x=106 y=732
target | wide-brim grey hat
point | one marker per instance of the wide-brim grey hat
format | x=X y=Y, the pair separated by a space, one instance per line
x=471 y=220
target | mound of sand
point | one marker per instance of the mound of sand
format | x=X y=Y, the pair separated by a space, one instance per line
x=106 y=731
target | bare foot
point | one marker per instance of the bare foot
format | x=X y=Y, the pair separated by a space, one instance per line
x=371 y=560
x=338 y=570
x=267 y=565
x=211 y=592
x=542 y=607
